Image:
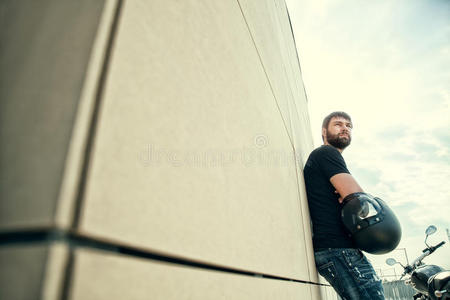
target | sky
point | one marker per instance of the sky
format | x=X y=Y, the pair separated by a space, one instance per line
x=386 y=63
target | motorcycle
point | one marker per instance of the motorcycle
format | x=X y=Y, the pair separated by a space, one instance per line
x=430 y=281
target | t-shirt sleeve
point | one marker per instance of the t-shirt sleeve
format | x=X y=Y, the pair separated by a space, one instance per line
x=331 y=162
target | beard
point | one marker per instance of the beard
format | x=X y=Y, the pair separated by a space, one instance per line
x=338 y=141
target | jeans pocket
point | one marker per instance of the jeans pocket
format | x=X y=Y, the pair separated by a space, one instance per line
x=360 y=267
x=353 y=256
x=328 y=271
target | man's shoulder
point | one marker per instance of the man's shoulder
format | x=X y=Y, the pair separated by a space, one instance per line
x=324 y=155
x=319 y=154
x=324 y=150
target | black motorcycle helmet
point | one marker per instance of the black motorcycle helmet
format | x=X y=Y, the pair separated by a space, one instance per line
x=371 y=223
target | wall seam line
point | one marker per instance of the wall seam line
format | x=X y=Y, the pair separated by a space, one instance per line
x=76 y=241
x=95 y=117
x=265 y=73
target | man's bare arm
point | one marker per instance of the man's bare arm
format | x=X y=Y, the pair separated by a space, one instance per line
x=345 y=185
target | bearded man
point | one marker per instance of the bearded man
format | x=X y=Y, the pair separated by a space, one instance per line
x=328 y=182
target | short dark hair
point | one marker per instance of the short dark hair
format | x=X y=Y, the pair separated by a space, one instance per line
x=335 y=114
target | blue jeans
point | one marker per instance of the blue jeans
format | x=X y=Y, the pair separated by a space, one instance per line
x=349 y=273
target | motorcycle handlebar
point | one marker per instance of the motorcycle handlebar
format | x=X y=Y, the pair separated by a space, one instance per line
x=409 y=268
x=432 y=249
x=440 y=244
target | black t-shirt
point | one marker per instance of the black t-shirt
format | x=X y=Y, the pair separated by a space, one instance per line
x=324 y=207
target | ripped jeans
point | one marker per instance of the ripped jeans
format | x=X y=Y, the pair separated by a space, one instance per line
x=349 y=273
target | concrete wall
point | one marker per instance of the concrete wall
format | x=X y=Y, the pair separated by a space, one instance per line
x=153 y=149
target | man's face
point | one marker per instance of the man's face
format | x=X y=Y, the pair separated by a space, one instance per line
x=339 y=132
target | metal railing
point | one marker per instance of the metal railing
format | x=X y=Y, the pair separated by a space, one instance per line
x=397 y=290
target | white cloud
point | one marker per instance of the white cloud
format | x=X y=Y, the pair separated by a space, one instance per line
x=389 y=70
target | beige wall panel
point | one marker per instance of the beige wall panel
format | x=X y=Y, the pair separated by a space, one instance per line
x=180 y=163
x=326 y=290
x=269 y=24
x=22 y=269
x=99 y=276
x=268 y=21
x=327 y=293
x=32 y=271
x=45 y=49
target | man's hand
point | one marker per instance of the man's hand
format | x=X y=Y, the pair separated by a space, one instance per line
x=345 y=185
x=340 y=197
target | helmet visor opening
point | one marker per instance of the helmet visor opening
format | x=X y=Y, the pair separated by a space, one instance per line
x=368 y=209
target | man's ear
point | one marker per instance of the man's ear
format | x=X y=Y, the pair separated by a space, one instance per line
x=324 y=134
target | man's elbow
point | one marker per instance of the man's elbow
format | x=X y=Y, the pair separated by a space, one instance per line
x=345 y=184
